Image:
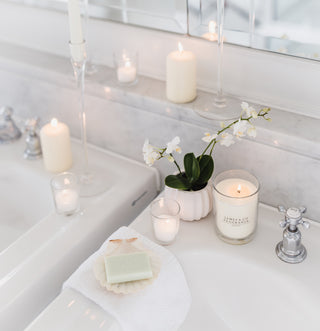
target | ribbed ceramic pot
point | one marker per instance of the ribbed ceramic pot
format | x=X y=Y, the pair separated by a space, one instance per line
x=194 y=205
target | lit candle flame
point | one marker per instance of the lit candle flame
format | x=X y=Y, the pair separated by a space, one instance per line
x=127 y=64
x=54 y=122
x=180 y=47
x=212 y=26
x=239 y=188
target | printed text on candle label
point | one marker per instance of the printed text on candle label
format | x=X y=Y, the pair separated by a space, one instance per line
x=236 y=221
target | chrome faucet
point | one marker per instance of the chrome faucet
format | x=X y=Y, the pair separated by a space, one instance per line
x=33 y=149
x=290 y=249
x=9 y=132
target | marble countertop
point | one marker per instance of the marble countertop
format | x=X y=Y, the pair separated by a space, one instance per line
x=243 y=288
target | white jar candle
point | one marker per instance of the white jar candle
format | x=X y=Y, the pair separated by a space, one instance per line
x=181 y=83
x=127 y=73
x=165 y=228
x=236 y=205
x=165 y=215
x=65 y=192
x=67 y=200
x=56 y=146
x=126 y=66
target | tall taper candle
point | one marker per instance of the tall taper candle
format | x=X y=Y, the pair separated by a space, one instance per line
x=76 y=36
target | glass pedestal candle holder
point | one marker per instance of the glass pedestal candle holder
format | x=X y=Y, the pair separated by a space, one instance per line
x=126 y=66
x=165 y=220
x=65 y=190
x=236 y=206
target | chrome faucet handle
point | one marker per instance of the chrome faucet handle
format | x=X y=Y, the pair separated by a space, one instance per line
x=290 y=248
x=32 y=124
x=33 y=150
x=9 y=132
x=293 y=217
x=6 y=112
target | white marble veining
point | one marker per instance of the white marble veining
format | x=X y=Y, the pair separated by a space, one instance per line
x=285 y=156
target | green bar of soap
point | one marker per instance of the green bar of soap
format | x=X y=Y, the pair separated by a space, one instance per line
x=127 y=267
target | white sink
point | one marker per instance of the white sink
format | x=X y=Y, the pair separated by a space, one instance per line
x=238 y=288
x=40 y=249
x=25 y=198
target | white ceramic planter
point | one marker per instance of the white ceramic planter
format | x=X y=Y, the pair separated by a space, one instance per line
x=194 y=204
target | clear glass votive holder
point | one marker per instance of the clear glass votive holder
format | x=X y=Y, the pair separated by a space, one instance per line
x=126 y=67
x=165 y=214
x=235 y=197
x=65 y=190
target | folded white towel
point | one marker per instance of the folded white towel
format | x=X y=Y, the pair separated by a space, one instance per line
x=161 y=306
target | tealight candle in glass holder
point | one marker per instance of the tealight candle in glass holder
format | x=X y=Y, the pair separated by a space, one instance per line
x=126 y=66
x=65 y=192
x=165 y=215
x=236 y=205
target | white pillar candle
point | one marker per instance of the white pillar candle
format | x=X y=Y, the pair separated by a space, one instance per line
x=165 y=228
x=76 y=36
x=127 y=73
x=56 y=146
x=181 y=76
x=236 y=204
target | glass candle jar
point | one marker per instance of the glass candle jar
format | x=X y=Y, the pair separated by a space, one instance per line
x=165 y=220
x=126 y=66
x=236 y=206
x=65 y=192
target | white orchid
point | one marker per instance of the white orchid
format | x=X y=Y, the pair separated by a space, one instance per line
x=226 y=139
x=150 y=154
x=225 y=136
x=240 y=128
x=252 y=131
x=170 y=158
x=173 y=146
x=250 y=111
x=209 y=137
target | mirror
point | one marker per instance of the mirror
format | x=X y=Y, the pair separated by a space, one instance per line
x=284 y=26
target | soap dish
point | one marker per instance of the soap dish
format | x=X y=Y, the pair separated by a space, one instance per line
x=125 y=246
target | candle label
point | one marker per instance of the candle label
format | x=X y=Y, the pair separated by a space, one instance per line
x=236 y=221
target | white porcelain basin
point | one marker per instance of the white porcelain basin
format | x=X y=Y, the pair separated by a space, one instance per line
x=40 y=249
x=25 y=198
x=238 y=288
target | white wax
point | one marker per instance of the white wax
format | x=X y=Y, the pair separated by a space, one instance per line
x=181 y=84
x=236 y=210
x=56 y=146
x=76 y=36
x=165 y=228
x=67 y=200
x=127 y=73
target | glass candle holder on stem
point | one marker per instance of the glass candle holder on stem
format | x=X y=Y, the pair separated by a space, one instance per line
x=126 y=67
x=165 y=220
x=65 y=192
x=90 y=183
x=222 y=108
x=236 y=206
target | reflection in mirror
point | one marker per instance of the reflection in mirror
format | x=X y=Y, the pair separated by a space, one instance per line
x=167 y=15
x=283 y=26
